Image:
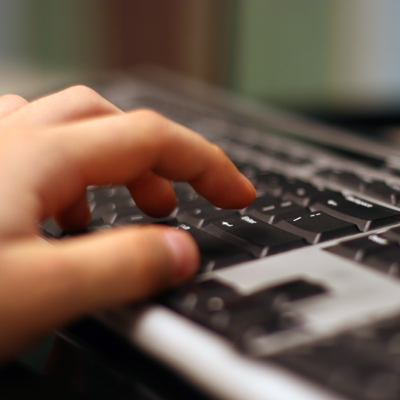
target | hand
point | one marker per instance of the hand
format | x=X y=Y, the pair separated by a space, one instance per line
x=50 y=151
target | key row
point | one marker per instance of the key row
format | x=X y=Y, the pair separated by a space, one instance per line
x=378 y=189
x=281 y=198
x=302 y=192
x=295 y=226
x=269 y=226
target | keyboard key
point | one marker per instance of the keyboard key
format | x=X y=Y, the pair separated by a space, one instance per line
x=345 y=178
x=295 y=290
x=188 y=199
x=387 y=334
x=376 y=251
x=266 y=150
x=261 y=200
x=103 y=195
x=287 y=158
x=253 y=316
x=215 y=253
x=51 y=229
x=200 y=299
x=381 y=191
x=358 y=249
x=104 y=202
x=386 y=260
x=393 y=234
x=107 y=210
x=303 y=193
x=269 y=310
x=236 y=316
x=254 y=235
x=292 y=159
x=366 y=215
x=134 y=215
x=287 y=292
x=273 y=183
x=97 y=225
x=200 y=217
x=317 y=227
x=273 y=211
x=249 y=171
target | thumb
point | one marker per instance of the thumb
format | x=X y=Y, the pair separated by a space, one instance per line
x=83 y=274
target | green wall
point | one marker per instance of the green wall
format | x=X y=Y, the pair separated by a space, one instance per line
x=70 y=33
x=278 y=51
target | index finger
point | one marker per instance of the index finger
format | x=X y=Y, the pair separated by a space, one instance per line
x=121 y=149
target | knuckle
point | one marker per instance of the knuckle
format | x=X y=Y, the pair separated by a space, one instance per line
x=13 y=99
x=218 y=151
x=86 y=95
x=147 y=113
x=152 y=120
x=82 y=91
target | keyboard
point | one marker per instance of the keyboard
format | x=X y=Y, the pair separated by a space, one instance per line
x=333 y=220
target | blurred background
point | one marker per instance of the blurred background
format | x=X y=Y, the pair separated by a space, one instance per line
x=338 y=60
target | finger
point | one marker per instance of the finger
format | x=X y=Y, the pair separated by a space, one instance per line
x=125 y=148
x=72 y=104
x=10 y=103
x=88 y=273
x=76 y=218
x=153 y=194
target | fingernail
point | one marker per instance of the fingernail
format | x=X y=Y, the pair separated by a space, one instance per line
x=184 y=252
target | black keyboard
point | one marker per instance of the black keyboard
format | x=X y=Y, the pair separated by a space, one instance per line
x=300 y=203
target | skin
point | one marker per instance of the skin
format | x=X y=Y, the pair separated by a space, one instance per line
x=50 y=151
